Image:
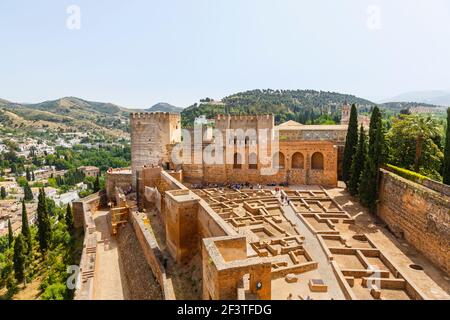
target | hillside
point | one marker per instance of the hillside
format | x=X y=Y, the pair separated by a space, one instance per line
x=434 y=97
x=65 y=114
x=304 y=106
x=164 y=107
x=418 y=106
x=300 y=105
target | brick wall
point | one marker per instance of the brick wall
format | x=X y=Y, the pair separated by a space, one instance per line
x=419 y=214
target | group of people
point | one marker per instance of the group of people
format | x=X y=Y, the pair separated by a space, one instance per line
x=284 y=199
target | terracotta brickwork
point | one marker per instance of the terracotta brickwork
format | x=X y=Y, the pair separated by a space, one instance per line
x=325 y=174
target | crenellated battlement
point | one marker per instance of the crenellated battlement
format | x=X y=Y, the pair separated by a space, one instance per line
x=225 y=117
x=154 y=115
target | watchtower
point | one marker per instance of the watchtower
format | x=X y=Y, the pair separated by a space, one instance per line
x=152 y=135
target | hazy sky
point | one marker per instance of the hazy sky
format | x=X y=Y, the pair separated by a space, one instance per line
x=136 y=53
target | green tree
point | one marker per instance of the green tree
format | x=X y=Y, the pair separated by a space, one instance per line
x=358 y=163
x=97 y=184
x=350 y=144
x=32 y=176
x=368 y=185
x=27 y=174
x=26 y=228
x=421 y=127
x=56 y=291
x=2 y=192
x=446 y=164
x=414 y=144
x=19 y=258
x=10 y=234
x=28 y=194
x=69 y=218
x=43 y=222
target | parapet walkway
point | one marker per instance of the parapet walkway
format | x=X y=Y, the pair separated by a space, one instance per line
x=109 y=283
x=313 y=247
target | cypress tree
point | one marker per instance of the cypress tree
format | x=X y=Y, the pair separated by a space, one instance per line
x=27 y=174
x=368 y=187
x=10 y=234
x=69 y=218
x=26 y=228
x=27 y=193
x=97 y=184
x=351 y=142
x=19 y=258
x=358 y=163
x=32 y=176
x=44 y=231
x=446 y=173
x=3 y=192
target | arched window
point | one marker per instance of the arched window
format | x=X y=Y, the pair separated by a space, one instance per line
x=317 y=161
x=298 y=161
x=237 y=161
x=278 y=160
x=252 y=161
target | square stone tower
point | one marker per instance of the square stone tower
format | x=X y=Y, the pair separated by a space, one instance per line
x=152 y=136
x=345 y=115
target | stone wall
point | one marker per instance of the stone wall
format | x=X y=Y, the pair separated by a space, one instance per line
x=437 y=186
x=224 y=265
x=210 y=224
x=302 y=173
x=82 y=211
x=153 y=254
x=120 y=178
x=152 y=135
x=83 y=205
x=141 y=283
x=417 y=213
x=181 y=224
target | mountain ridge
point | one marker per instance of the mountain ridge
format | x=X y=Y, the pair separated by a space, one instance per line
x=73 y=113
x=164 y=107
x=434 y=97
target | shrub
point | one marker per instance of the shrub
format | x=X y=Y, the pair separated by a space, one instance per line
x=407 y=174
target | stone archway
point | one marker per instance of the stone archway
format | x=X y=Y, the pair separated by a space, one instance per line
x=298 y=161
x=317 y=161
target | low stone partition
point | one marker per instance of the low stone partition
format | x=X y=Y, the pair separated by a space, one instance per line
x=210 y=224
x=152 y=254
x=225 y=263
x=418 y=214
x=82 y=211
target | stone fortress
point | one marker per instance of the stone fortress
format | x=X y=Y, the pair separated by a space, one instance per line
x=308 y=154
x=226 y=231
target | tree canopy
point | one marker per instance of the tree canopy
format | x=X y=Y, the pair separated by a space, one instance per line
x=414 y=144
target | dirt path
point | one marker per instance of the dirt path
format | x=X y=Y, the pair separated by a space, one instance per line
x=109 y=283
